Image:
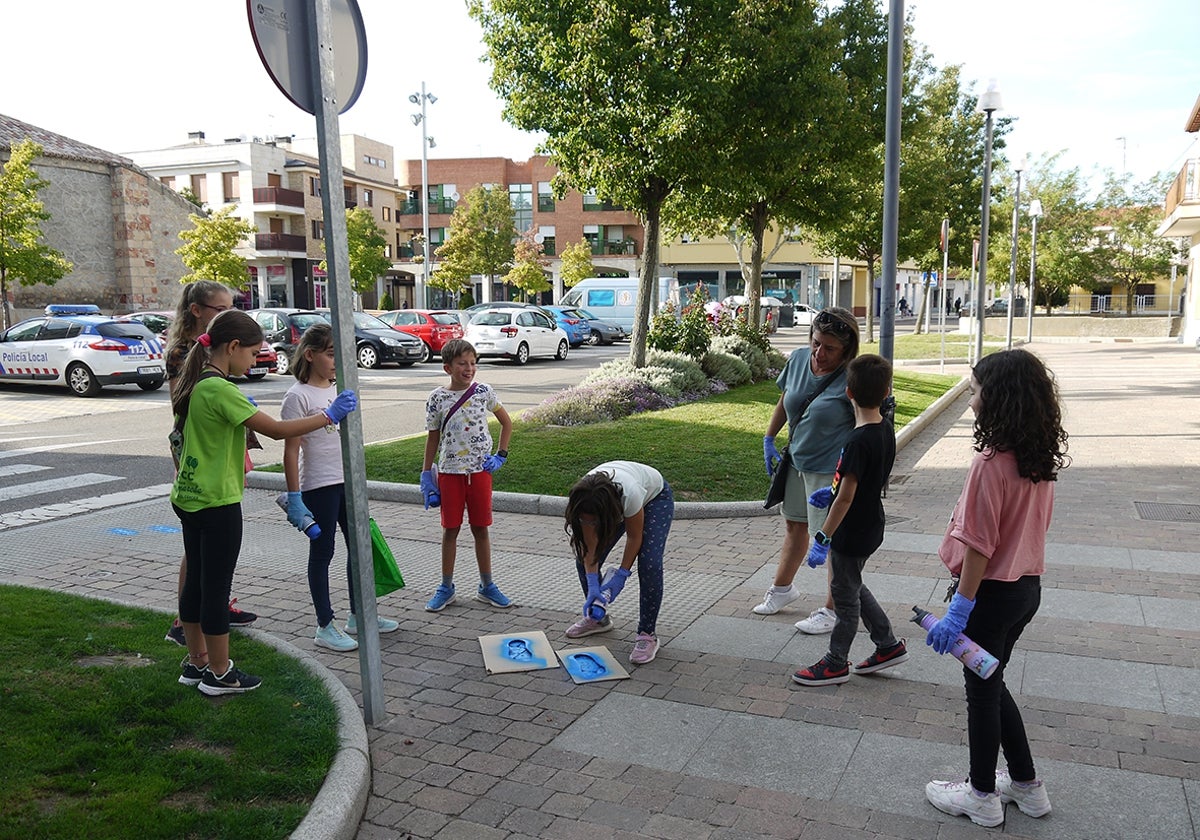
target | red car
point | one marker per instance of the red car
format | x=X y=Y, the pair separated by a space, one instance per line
x=433 y=326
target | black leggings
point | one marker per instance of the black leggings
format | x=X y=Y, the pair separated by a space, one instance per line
x=1002 y=610
x=212 y=540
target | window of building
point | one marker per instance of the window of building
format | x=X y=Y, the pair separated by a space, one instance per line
x=314 y=186
x=318 y=229
x=545 y=202
x=230 y=183
x=520 y=196
x=548 y=245
x=374 y=161
x=591 y=201
x=592 y=234
x=369 y=198
x=168 y=181
x=387 y=214
x=387 y=251
x=200 y=187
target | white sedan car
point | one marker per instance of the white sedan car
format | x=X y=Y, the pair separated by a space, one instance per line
x=73 y=346
x=516 y=334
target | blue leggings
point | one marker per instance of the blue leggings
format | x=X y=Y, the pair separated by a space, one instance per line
x=659 y=511
x=328 y=506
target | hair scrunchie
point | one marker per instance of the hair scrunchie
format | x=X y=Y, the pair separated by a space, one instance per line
x=204 y=339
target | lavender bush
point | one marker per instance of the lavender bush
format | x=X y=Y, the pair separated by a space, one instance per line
x=607 y=399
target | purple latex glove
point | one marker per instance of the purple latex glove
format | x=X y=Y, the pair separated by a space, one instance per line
x=342 y=405
x=771 y=456
x=822 y=498
x=945 y=633
x=817 y=555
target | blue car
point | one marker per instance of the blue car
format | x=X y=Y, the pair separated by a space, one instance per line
x=577 y=329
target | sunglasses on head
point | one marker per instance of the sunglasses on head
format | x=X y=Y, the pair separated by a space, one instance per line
x=827 y=322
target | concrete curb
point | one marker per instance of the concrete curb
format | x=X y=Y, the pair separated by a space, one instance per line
x=339 y=806
x=556 y=505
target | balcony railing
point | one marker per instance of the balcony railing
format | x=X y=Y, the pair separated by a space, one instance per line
x=545 y=204
x=593 y=203
x=613 y=248
x=280 y=242
x=280 y=196
x=412 y=206
x=1186 y=187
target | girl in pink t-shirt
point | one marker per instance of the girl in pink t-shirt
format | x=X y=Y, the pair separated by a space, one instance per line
x=995 y=549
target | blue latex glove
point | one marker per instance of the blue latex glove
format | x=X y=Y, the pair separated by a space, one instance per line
x=771 y=456
x=612 y=588
x=822 y=498
x=817 y=555
x=296 y=510
x=493 y=462
x=942 y=635
x=342 y=405
x=252 y=401
x=429 y=490
x=594 y=596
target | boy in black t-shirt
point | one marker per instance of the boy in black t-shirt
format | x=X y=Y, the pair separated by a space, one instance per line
x=854 y=529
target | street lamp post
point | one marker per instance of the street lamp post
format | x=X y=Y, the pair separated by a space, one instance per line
x=1035 y=213
x=988 y=103
x=419 y=292
x=1012 y=263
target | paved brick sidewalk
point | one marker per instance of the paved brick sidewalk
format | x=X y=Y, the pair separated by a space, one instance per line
x=712 y=740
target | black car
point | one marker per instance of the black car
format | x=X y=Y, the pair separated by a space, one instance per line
x=377 y=343
x=282 y=329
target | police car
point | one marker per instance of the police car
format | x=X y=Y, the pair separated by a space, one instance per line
x=78 y=347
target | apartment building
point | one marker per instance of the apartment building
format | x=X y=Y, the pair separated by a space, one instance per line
x=1183 y=221
x=275 y=184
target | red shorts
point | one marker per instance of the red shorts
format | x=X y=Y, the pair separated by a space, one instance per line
x=473 y=492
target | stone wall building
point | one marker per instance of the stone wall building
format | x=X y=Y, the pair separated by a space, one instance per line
x=114 y=222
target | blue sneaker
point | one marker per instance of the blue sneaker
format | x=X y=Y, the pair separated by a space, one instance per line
x=491 y=594
x=385 y=625
x=331 y=637
x=442 y=598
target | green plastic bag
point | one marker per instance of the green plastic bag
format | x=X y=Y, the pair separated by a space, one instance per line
x=387 y=574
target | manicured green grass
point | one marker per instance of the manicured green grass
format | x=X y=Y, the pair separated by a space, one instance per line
x=925 y=346
x=709 y=450
x=116 y=748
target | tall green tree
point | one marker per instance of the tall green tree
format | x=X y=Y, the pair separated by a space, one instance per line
x=576 y=263
x=787 y=124
x=626 y=92
x=209 y=249
x=367 y=244
x=23 y=255
x=529 y=266
x=480 y=240
x=1129 y=252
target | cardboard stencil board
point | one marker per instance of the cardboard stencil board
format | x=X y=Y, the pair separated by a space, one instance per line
x=506 y=653
x=591 y=664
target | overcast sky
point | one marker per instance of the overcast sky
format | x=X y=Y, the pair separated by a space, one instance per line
x=141 y=74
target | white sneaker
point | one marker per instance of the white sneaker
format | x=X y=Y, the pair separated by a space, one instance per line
x=820 y=620
x=1031 y=798
x=775 y=601
x=960 y=799
x=331 y=637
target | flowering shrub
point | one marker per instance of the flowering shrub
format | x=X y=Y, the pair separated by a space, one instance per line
x=726 y=368
x=672 y=374
x=606 y=399
x=736 y=345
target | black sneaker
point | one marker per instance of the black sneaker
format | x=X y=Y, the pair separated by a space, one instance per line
x=820 y=674
x=240 y=618
x=191 y=674
x=175 y=634
x=233 y=681
x=881 y=659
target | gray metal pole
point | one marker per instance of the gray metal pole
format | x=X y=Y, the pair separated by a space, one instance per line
x=1032 y=283
x=337 y=254
x=1012 y=265
x=945 y=282
x=891 y=182
x=422 y=298
x=983 y=235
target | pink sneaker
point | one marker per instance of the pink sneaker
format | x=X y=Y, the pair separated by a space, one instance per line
x=588 y=626
x=644 y=649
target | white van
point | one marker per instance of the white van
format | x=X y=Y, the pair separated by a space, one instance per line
x=615 y=298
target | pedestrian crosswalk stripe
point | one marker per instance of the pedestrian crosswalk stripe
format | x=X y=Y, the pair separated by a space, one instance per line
x=53 y=485
x=21 y=469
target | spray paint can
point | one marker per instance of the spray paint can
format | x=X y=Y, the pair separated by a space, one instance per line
x=597 y=611
x=966 y=651
x=310 y=527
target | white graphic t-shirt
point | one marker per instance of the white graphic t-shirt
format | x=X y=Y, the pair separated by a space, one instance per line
x=465 y=440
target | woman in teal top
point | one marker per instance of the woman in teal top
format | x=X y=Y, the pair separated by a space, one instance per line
x=815 y=439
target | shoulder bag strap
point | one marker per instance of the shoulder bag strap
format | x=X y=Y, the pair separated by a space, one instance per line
x=816 y=392
x=466 y=396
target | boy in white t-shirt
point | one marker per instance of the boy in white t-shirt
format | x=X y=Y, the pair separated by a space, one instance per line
x=456 y=418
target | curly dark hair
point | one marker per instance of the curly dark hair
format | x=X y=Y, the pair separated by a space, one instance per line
x=595 y=495
x=1019 y=412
